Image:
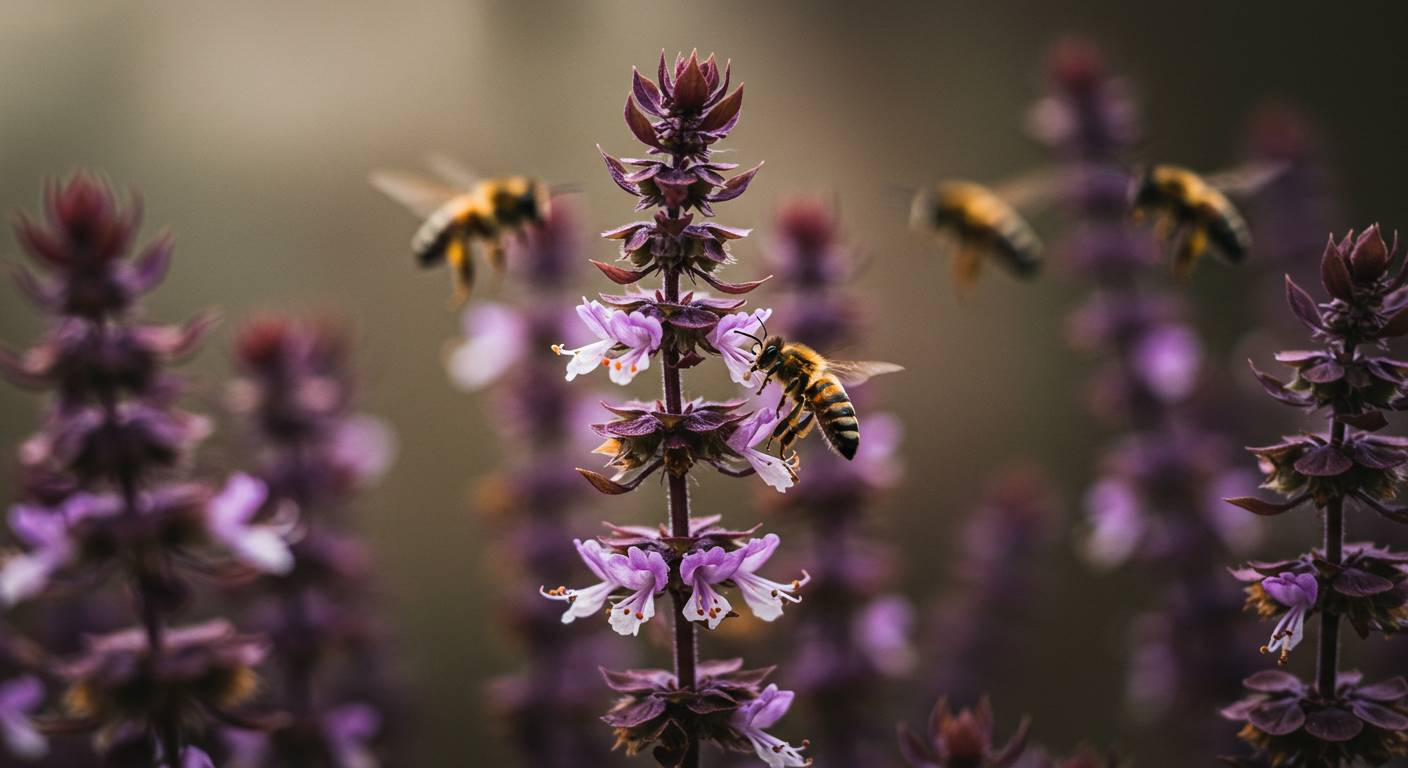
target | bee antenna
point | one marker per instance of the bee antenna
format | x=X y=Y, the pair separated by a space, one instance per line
x=741 y=332
x=765 y=328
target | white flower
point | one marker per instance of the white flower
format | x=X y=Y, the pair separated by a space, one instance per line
x=494 y=341
x=18 y=698
x=754 y=429
x=734 y=347
x=637 y=332
x=701 y=571
x=645 y=574
x=228 y=520
x=763 y=596
x=752 y=717
x=589 y=600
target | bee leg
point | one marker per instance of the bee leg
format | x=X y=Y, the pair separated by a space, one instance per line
x=764 y=385
x=461 y=268
x=798 y=430
x=964 y=266
x=784 y=425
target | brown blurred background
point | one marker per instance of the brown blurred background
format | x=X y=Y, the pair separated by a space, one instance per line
x=250 y=128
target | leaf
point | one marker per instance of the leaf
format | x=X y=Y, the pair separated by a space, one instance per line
x=1370 y=421
x=1324 y=461
x=1335 y=274
x=646 y=92
x=640 y=125
x=692 y=89
x=1278 y=718
x=1388 y=691
x=1265 y=508
x=1333 y=724
x=604 y=484
x=1356 y=583
x=724 y=114
x=1302 y=306
x=619 y=275
x=1277 y=389
x=1273 y=681
x=735 y=186
x=730 y=288
x=634 y=713
x=1380 y=716
x=1324 y=373
x=1395 y=326
x=617 y=171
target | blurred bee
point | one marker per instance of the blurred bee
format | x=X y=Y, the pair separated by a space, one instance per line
x=974 y=222
x=1193 y=214
x=815 y=384
x=464 y=215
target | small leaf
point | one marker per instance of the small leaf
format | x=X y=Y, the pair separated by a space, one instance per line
x=1370 y=421
x=1395 y=326
x=1335 y=274
x=1324 y=373
x=603 y=483
x=1274 y=387
x=1333 y=725
x=1264 y=508
x=1380 y=716
x=1356 y=583
x=1388 y=691
x=1324 y=461
x=735 y=186
x=1278 y=718
x=1273 y=681
x=1303 y=306
x=640 y=125
x=646 y=92
x=730 y=288
x=619 y=275
x=724 y=114
x=692 y=89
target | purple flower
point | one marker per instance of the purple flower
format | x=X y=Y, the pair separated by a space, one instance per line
x=1298 y=592
x=734 y=347
x=761 y=713
x=260 y=546
x=763 y=596
x=45 y=533
x=495 y=338
x=753 y=430
x=883 y=630
x=701 y=571
x=647 y=575
x=589 y=600
x=348 y=729
x=18 y=700
x=363 y=447
x=1118 y=524
x=639 y=335
x=1167 y=359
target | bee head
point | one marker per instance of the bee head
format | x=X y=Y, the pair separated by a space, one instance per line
x=770 y=351
x=1143 y=188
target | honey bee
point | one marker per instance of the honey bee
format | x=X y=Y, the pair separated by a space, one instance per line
x=816 y=386
x=974 y=222
x=1193 y=214
x=465 y=215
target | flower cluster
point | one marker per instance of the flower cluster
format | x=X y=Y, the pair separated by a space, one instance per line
x=1334 y=720
x=1156 y=502
x=295 y=393
x=641 y=563
x=680 y=118
x=105 y=492
x=548 y=709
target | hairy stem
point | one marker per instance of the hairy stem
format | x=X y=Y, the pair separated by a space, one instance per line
x=686 y=649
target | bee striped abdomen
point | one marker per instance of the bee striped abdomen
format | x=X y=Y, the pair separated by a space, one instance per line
x=828 y=400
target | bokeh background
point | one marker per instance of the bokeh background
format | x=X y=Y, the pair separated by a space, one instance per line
x=250 y=128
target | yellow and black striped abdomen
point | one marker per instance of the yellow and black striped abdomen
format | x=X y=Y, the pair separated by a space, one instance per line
x=828 y=400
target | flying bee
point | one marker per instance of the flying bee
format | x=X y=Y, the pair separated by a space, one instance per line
x=817 y=388
x=466 y=214
x=1193 y=214
x=974 y=222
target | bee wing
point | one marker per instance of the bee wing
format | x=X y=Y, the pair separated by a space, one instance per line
x=420 y=196
x=1246 y=179
x=1034 y=191
x=856 y=372
x=452 y=171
